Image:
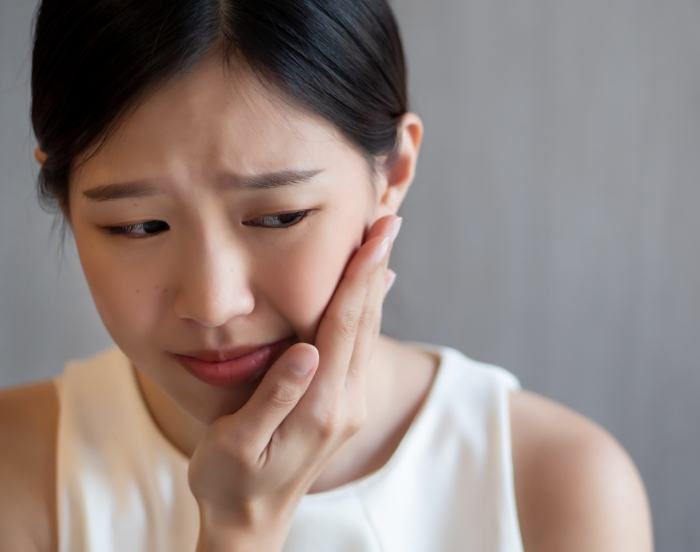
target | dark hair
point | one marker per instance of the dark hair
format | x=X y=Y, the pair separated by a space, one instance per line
x=93 y=60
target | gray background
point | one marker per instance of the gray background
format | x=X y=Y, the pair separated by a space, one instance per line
x=550 y=228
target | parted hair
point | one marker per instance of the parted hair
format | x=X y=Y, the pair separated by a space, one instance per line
x=93 y=60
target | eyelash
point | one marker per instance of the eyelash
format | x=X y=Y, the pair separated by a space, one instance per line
x=126 y=230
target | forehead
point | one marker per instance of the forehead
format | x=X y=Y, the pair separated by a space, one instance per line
x=211 y=118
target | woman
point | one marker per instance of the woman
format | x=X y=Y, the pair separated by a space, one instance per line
x=231 y=172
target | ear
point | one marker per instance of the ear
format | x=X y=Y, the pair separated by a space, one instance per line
x=40 y=156
x=398 y=171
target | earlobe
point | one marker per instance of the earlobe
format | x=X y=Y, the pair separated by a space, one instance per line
x=40 y=156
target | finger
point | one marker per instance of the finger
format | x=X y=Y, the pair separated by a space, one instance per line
x=336 y=335
x=319 y=403
x=368 y=332
x=276 y=396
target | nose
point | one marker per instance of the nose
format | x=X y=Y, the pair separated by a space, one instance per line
x=213 y=284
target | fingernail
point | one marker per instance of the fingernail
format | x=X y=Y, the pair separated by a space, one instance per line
x=391 y=278
x=301 y=369
x=395 y=227
x=380 y=251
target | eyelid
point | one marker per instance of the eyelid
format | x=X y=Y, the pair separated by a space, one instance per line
x=303 y=212
x=123 y=230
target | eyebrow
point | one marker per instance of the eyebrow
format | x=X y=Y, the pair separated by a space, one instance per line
x=145 y=188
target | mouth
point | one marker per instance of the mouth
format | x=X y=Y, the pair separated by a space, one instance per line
x=246 y=367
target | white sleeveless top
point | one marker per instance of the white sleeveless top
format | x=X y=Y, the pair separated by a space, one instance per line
x=448 y=487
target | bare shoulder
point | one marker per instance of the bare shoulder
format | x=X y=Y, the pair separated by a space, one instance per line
x=576 y=487
x=28 y=422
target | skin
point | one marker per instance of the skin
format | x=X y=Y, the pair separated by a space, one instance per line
x=240 y=285
x=576 y=488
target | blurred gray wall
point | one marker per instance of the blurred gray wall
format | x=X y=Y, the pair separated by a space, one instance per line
x=550 y=228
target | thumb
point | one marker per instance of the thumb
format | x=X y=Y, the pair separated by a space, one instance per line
x=279 y=392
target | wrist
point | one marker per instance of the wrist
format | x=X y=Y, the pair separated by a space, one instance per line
x=225 y=540
x=236 y=535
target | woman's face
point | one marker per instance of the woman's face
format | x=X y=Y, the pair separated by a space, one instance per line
x=206 y=277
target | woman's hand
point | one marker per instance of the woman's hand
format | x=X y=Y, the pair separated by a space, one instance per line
x=252 y=467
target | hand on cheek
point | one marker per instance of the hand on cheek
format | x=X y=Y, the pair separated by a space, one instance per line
x=376 y=228
x=307 y=405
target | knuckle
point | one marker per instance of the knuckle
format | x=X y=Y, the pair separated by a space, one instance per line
x=327 y=422
x=353 y=425
x=284 y=394
x=224 y=437
x=244 y=457
x=367 y=320
x=347 y=322
x=242 y=454
x=356 y=420
x=234 y=446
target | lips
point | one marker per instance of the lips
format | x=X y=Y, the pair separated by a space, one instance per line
x=243 y=367
x=223 y=354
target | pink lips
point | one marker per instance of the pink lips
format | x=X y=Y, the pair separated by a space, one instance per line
x=244 y=368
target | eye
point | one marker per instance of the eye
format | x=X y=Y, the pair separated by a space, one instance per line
x=287 y=219
x=128 y=230
x=151 y=228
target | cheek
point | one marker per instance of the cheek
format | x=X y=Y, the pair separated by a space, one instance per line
x=307 y=276
x=124 y=298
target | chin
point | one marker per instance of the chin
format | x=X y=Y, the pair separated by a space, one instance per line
x=208 y=409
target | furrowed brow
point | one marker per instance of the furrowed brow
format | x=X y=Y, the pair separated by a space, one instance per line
x=145 y=188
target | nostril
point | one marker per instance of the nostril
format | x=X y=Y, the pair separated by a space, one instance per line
x=212 y=309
